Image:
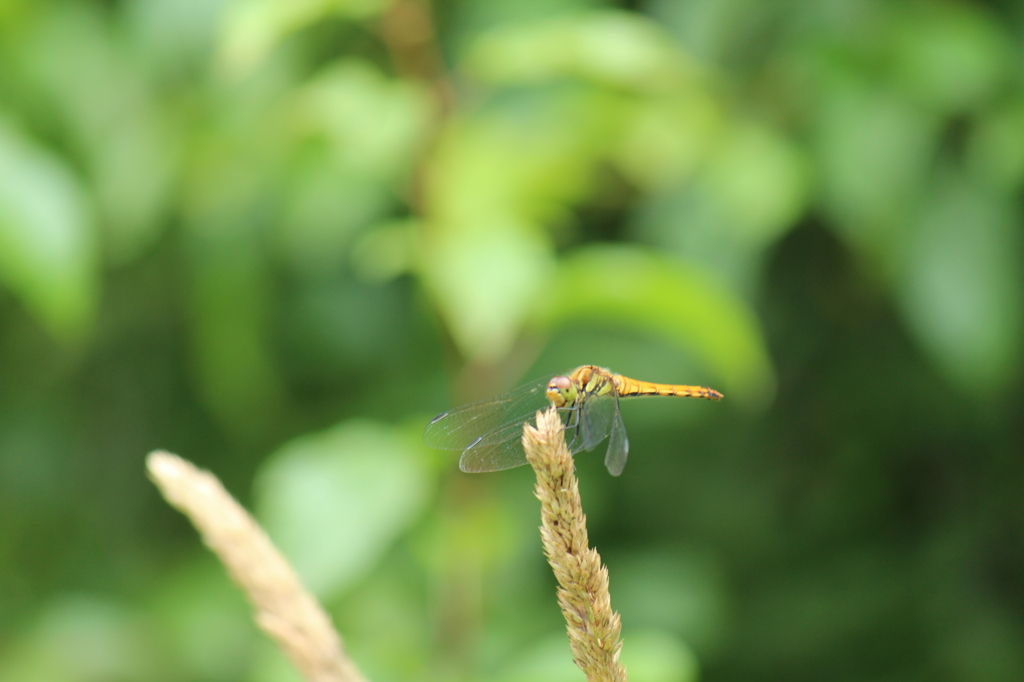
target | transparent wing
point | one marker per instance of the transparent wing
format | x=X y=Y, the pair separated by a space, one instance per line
x=502 y=451
x=472 y=424
x=618 y=443
x=501 y=448
x=596 y=415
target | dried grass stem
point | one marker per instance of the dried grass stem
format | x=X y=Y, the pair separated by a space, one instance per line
x=285 y=611
x=583 y=595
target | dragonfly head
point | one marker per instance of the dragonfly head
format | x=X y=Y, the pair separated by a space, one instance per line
x=561 y=392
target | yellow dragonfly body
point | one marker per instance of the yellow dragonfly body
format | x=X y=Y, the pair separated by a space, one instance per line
x=489 y=432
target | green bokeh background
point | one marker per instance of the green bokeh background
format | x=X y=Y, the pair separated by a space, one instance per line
x=277 y=236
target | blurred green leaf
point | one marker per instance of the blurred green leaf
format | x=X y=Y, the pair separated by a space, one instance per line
x=88 y=90
x=231 y=196
x=386 y=251
x=356 y=134
x=665 y=139
x=229 y=284
x=102 y=99
x=335 y=501
x=48 y=253
x=995 y=148
x=962 y=286
x=759 y=182
x=269 y=664
x=252 y=28
x=324 y=209
x=373 y=124
x=951 y=56
x=205 y=620
x=659 y=656
x=751 y=190
x=485 y=280
x=495 y=181
x=529 y=158
x=610 y=47
x=133 y=171
x=549 y=660
x=390 y=601
x=875 y=152
x=175 y=38
x=626 y=286
x=721 y=31
x=82 y=639
x=987 y=647
x=679 y=591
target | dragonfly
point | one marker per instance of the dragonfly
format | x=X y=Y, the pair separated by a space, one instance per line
x=489 y=432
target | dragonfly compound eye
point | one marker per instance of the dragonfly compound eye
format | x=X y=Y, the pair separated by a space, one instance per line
x=559 y=390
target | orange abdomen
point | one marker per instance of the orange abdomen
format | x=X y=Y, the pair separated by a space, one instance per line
x=627 y=387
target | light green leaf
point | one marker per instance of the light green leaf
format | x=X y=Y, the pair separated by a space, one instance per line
x=666 y=138
x=548 y=660
x=324 y=208
x=205 y=623
x=495 y=181
x=630 y=287
x=385 y=251
x=108 y=110
x=372 y=123
x=133 y=167
x=874 y=152
x=751 y=190
x=485 y=280
x=716 y=31
x=962 y=286
x=229 y=308
x=659 y=656
x=355 y=134
x=335 y=501
x=760 y=182
x=995 y=149
x=269 y=664
x=174 y=36
x=253 y=28
x=48 y=251
x=951 y=56
x=683 y=591
x=611 y=47
x=80 y=639
x=527 y=159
